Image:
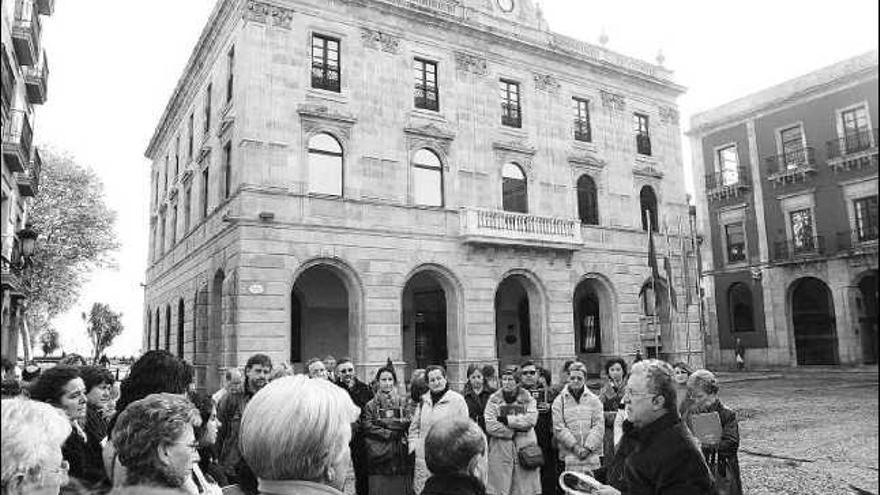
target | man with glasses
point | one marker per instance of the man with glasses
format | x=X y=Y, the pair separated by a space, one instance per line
x=543 y=395
x=360 y=394
x=657 y=453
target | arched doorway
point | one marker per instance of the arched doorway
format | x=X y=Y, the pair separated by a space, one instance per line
x=321 y=317
x=593 y=308
x=215 y=332
x=168 y=327
x=866 y=307
x=180 y=319
x=648 y=208
x=158 y=330
x=424 y=322
x=517 y=321
x=812 y=315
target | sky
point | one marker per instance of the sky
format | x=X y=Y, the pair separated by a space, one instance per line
x=113 y=66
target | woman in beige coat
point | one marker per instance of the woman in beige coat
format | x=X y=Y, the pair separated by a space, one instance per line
x=578 y=423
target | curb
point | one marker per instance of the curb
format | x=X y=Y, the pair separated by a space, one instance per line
x=735 y=379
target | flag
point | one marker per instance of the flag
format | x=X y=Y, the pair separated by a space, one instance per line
x=652 y=253
x=685 y=261
x=667 y=266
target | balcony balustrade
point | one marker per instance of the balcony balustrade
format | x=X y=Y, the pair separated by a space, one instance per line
x=809 y=247
x=791 y=166
x=29 y=182
x=484 y=226
x=26 y=32
x=17 y=139
x=730 y=183
x=36 y=79
x=643 y=144
x=853 y=151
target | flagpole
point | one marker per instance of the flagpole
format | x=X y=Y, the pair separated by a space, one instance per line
x=668 y=264
x=654 y=291
x=692 y=220
x=687 y=294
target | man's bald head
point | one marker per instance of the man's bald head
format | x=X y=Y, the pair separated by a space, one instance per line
x=452 y=444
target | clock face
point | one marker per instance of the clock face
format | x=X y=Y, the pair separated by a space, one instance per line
x=506 y=5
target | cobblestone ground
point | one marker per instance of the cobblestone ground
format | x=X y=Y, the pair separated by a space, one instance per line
x=807 y=432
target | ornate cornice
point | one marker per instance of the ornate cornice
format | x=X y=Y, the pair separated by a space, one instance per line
x=586 y=160
x=613 y=101
x=474 y=64
x=430 y=131
x=317 y=117
x=379 y=40
x=546 y=82
x=515 y=147
x=266 y=13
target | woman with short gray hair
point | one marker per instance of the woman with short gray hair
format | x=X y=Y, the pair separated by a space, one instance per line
x=295 y=434
x=32 y=435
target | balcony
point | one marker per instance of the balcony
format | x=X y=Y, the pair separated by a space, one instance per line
x=483 y=226
x=17 y=138
x=853 y=151
x=36 y=79
x=806 y=249
x=45 y=7
x=29 y=182
x=26 y=33
x=727 y=184
x=793 y=166
x=858 y=241
x=10 y=277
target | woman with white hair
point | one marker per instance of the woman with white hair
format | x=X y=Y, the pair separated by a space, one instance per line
x=32 y=435
x=295 y=434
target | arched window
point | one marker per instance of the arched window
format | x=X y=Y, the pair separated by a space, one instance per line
x=168 y=328
x=149 y=326
x=157 y=332
x=739 y=300
x=180 y=328
x=325 y=165
x=427 y=178
x=588 y=205
x=648 y=206
x=514 y=189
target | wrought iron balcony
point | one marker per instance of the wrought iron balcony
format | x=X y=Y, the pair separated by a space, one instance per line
x=809 y=247
x=17 y=139
x=29 y=182
x=854 y=150
x=792 y=166
x=36 y=79
x=10 y=277
x=510 y=115
x=724 y=184
x=484 y=226
x=26 y=32
x=46 y=7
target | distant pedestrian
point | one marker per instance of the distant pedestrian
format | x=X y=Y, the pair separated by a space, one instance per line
x=740 y=352
x=330 y=365
x=638 y=356
x=233 y=381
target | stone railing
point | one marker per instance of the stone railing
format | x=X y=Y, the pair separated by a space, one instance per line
x=484 y=226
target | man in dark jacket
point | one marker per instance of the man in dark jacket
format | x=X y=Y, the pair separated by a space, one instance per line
x=360 y=393
x=537 y=383
x=657 y=454
x=455 y=452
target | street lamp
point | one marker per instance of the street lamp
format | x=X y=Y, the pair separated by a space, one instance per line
x=28 y=239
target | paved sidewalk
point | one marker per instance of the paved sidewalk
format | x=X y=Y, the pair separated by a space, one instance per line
x=728 y=376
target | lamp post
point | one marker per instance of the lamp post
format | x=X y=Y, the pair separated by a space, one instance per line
x=27 y=238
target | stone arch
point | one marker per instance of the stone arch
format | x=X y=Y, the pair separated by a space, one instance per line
x=158 y=329
x=810 y=307
x=354 y=298
x=180 y=323
x=216 y=332
x=864 y=303
x=538 y=317
x=608 y=316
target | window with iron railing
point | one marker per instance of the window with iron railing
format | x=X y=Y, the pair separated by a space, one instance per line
x=207 y=117
x=326 y=68
x=794 y=153
x=7 y=91
x=189 y=137
x=582 y=131
x=736 y=242
x=511 y=113
x=643 y=135
x=728 y=165
x=865 y=210
x=802 y=230
x=856 y=130
x=426 y=94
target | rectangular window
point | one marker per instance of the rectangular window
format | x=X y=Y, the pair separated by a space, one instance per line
x=156 y=189
x=207 y=126
x=190 y=137
x=227 y=170
x=728 y=165
x=643 y=135
x=205 y=190
x=511 y=114
x=176 y=156
x=802 y=230
x=230 y=73
x=866 y=218
x=325 y=63
x=856 y=132
x=174 y=225
x=793 y=152
x=736 y=242
x=187 y=207
x=426 y=93
x=582 y=120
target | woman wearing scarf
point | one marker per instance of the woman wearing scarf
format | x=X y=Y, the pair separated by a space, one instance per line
x=386 y=422
x=438 y=402
x=578 y=423
x=476 y=394
x=611 y=396
x=511 y=415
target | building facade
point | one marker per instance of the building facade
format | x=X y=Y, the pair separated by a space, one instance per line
x=25 y=76
x=429 y=181
x=788 y=183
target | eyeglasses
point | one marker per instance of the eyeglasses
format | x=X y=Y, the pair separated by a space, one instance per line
x=627 y=392
x=530 y=372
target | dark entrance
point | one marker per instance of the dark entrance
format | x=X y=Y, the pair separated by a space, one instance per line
x=319 y=315
x=513 y=325
x=812 y=313
x=424 y=322
x=866 y=305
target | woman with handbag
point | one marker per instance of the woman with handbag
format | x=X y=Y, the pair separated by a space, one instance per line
x=514 y=455
x=386 y=423
x=578 y=423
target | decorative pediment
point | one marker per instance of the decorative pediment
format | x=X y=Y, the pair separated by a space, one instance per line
x=379 y=40
x=515 y=147
x=317 y=118
x=647 y=170
x=546 y=82
x=204 y=153
x=430 y=136
x=271 y=15
x=613 y=101
x=474 y=64
x=668 y=115
x=187 y=175
x=430 y=131
x=586 y=159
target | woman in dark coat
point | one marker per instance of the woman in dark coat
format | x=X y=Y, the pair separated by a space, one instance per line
x=386 y=424
x=611 y=396
x=722 y=456
x=476 y=394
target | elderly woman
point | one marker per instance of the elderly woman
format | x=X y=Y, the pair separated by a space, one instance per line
x=578 y=423
x=438 y=402
x=722 y=456
x=680 y=374
x=156 y=442
x=611 y=396
x=295 y=434
x=476 y=394
x=386 y=422
x=511 y=415
x=63 y=387
x=30 y=447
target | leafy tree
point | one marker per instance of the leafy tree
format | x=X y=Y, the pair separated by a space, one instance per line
x=49 y=341
x=103 y=325
x=77 y=235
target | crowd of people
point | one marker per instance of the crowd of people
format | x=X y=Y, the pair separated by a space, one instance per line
x=73 y=428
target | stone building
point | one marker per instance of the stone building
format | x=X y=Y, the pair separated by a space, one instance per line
x=25 y=76
x=787 y=179
x=434 y=181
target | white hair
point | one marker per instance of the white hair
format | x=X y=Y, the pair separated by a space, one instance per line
x=295 y=428
x=31 y=432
